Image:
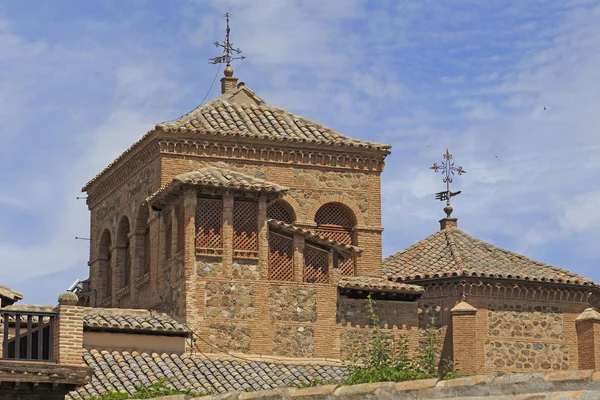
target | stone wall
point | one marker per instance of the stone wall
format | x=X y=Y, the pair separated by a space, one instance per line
x=229 y=300
x=526 y=321
x=391 y=313
x=537 y=386
x=293 y=303
x=294 y=341
x=525 y=355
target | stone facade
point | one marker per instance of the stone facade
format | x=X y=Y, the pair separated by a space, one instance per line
x=229 y=300
x=290 y=303
x=391 y=313
x=234 y=337
x=294 y=341
x=525 y=356
x=525 y=321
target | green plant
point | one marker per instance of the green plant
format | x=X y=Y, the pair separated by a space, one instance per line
x=375 y=357
x=160 y=388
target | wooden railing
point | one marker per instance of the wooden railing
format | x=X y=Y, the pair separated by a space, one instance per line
x=28 y=335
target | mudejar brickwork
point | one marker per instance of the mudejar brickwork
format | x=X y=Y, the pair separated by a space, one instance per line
x=261 y=231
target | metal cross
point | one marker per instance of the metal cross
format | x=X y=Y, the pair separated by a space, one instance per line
x=448 y=169
x=228 y=49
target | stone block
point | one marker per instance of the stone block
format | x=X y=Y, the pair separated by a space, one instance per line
x=363 y=391
x=569 y=376
x=274 y=394
x=416 y=385
x=314 y=393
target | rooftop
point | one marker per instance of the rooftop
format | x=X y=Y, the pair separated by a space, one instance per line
x=452 y=252
x=9 y=296
x=123 y=371
x=132 y=320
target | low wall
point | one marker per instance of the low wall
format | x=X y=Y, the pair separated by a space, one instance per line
x=581 y=385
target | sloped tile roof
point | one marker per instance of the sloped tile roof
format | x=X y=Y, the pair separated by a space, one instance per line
x=240 y=112
x=130 y=320
x=378 y=284
x=312 y=236
x=217 y=177
x=123 y=371
x=452 y=252
x=12 y=295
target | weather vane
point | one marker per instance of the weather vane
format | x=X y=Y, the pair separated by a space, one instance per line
x=228 y=49
x=448 y=170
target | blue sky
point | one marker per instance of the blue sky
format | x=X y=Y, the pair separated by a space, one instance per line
x=80 y=81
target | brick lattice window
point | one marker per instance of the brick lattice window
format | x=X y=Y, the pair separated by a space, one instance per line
x=168 y=235
x=245 y=226
x=179 y=214
x=209 y=225
x=281 y=211
x=281 y=257
x=336 y=222
x=316 y=264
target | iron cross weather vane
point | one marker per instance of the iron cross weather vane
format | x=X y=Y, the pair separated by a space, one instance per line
x=228 y=49
x=448 y=170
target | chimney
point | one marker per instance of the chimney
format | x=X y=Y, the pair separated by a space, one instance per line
x=448 y=222
x=228 y=82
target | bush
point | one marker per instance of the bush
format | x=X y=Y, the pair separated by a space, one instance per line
x=379 y=358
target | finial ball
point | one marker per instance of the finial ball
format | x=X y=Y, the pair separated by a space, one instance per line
x=228 y=71
x=68 y=299
x=448 y=210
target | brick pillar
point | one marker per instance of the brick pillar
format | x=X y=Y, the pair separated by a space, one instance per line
x=228 y=234
x=113 y=277
x=68 y=331
x=298 y=258
x=588 y=339
x=134 y=248
x=464 y=338
x=263 y=238
x=190 y=200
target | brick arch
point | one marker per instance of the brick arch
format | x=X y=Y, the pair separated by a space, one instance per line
x=351 y=204
x=294 y=205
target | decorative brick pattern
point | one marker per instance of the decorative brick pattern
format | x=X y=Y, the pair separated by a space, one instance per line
x=229 y=300
x=245 y=228
x=525 y=321
x=316 y=265
x=430 y=310
x=293 y=303
x=519 y=355
x=294 y=341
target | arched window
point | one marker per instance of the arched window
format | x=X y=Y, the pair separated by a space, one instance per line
x=281 y=211
x=143 y=234
x=123 y=254
x=105 y=273
x=337 y=221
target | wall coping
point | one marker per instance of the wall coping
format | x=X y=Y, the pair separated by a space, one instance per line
x=508 y=386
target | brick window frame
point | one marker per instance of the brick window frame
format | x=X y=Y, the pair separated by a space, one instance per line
x=281 y=257
x=245 y=229
x=336 y=221
x=209 y=226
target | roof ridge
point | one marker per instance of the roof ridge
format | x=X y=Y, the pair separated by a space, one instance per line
x=454 y=248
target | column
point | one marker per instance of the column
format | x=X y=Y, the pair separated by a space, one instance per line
x=228 y=234
x=263 y=238
x=298 y=258
x=588 y=339
x=68 y=330
x=464 y=337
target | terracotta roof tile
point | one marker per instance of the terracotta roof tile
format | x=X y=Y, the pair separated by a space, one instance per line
x=452 y=252
x=11 y=295
x=311 y=235
x=124 y=371
x=217 y=177
x=379 y=284
x=231 y=116
x=130 y=319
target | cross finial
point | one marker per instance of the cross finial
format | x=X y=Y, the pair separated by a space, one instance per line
x=448 y=170
x=228 y=50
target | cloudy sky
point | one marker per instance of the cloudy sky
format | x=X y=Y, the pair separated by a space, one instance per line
x=80 y=81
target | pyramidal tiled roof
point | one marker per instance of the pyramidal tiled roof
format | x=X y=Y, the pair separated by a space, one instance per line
x=131 y=320
x=240 y=112
x=452 y=252
x=217 y=177
x=124 y=371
